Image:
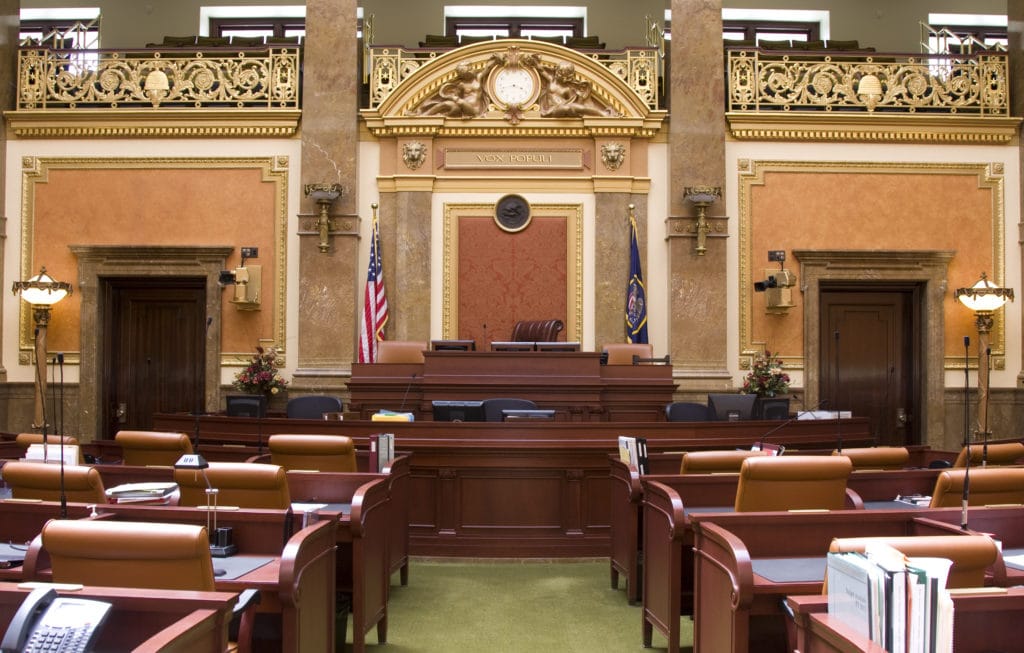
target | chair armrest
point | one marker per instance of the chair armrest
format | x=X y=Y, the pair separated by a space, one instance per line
x=245 y=612
x=853 y=500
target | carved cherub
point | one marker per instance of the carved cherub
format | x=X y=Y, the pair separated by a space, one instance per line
x=466 y=96
x=568 y=97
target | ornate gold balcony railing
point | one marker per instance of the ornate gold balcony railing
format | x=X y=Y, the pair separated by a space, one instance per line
x=973 y=85
x=49 y=79
x=391 y=65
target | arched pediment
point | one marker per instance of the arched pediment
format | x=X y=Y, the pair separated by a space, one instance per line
x=519 y=87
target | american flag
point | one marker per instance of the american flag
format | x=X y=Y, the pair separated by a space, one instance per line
x=375 y=302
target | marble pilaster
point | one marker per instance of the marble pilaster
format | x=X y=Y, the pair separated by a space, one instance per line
x=405 y=242
x=698 y=292
x=328 y=317
x=9 y=21
x=1015 y=34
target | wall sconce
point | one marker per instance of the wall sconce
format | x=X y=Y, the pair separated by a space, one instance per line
x=156 y=86
x=247 y=280
x=984 y=298
x=869 y=90
x=777 y=285
x=324 y=194
x=702 y=197
x=42 y=292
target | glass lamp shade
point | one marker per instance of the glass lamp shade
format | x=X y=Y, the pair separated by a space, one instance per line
x=984 y=296
x=702 y=194
x=42 y=289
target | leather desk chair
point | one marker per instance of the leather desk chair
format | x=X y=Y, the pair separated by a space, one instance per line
x=792 y=483
x=972 y=555
x=312 y=406
x=152 y=448
x=687 y=411
x=536 y=330
x=715 y=462
x=144 y=555
x=876 y=457
x=1001 y=453
x=493 y=407
x=24 y=440
x=401 y=351
x=988 y=486
x=622 y=353
x=246 y=485
x=323 y=453
x=38 y=480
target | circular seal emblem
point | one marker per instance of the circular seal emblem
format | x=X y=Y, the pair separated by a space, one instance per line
x=512 y=213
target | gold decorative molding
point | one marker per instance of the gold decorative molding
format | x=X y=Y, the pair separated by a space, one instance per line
x=168 y=123
x=751 y=173
x=547 y=184
x=35 y=170
x=872 y=128
x=574 y=262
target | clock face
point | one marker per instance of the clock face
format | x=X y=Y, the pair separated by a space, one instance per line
x=514 y=86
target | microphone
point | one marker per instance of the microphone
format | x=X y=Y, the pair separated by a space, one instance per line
x=984 y=427
x=965 y=498
x=405 y=396
x=486 y=341
x=839 y=422
x=760 y=443
x=60 y=364
x=199 y=395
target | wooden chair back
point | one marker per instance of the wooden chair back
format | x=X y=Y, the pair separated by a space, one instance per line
x=42 y=481
x=152 y=448
x=876 y=457
x=715 y=462
x=246 y=485
x=323 y=453
x=987 y=486
x=792 y=483
x=401 y=351
x=1000 y=453
x=972 y=555
x=622 y=353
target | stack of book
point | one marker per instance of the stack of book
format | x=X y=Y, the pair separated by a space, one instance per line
x=158 y=493
x=382 y=452
x=633 y=452
x=896 y=601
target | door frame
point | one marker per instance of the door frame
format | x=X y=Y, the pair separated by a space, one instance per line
x=926 y=267
x=95 y=262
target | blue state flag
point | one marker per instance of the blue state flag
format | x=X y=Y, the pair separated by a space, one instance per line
x=636 y=296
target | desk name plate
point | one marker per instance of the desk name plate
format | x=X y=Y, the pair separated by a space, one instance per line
x=570 y=159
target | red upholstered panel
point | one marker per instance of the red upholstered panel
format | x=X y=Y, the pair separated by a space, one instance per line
x=504 y=277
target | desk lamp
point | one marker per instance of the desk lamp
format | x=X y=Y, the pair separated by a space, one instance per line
x=220 y=539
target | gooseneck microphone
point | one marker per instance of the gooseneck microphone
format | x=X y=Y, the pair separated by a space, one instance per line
x=839 y=422
x=199 y=395
x=984 y=427
x=965 y=498
x=779 y=427
x=405 y=396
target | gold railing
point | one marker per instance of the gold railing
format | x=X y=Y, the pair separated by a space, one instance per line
x=974 y=85
x=264 y=78
x=391 y=65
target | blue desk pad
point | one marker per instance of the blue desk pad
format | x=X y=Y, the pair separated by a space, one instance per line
x=238 y=565
x=790 y=570
x=12 y=553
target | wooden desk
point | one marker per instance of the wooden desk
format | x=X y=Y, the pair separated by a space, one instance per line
x=982 y=623
x=738 y=603
x=21 y=522
x=156 y=620
x=513 y=489
x=574 y=384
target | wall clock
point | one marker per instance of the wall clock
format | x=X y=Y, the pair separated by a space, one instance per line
x=514 y=86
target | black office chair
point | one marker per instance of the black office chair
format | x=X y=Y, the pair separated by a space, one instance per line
x=493 y=407
x=685 y=411
x=312 y=406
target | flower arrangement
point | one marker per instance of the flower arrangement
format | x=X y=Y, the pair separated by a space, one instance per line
x=766 y=378
x=261 y=375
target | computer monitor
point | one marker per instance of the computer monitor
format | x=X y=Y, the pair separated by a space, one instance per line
x=246 y=406
x=453 y=345
x=513 y=345
x=458 y=411
x=558 y=346
x=731 y=407
x=514 y=414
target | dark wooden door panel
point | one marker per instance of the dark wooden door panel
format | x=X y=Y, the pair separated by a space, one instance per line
x=155 y=350
x=868 y=359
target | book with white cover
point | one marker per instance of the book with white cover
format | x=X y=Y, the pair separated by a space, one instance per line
x=849 y=580
x=893 y=566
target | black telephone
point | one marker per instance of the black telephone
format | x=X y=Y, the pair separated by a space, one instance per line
x=47 y=622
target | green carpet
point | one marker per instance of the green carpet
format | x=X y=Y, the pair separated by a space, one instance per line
x=457 y=607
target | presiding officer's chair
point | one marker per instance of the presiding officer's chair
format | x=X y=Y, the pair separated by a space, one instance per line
x=622 y=353
x=716 y=462
x=322 y=453
x=312 y=406
x=1000 y=453
x=143 y=555
x=152 y=448
x=42 y=481
x=401 y=351
x=793 y=483
x=972 y=555
x=876 y=457
x=246 y=485
x=987 y=486
x=536 y=330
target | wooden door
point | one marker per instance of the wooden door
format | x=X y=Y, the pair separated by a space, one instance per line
x=870 y=357
x=153 y=350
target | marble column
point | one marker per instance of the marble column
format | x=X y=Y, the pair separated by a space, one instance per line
x=10 y=20
x=1015 y=32
x=611 y=251
x=328 y=317
x=698 y=334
